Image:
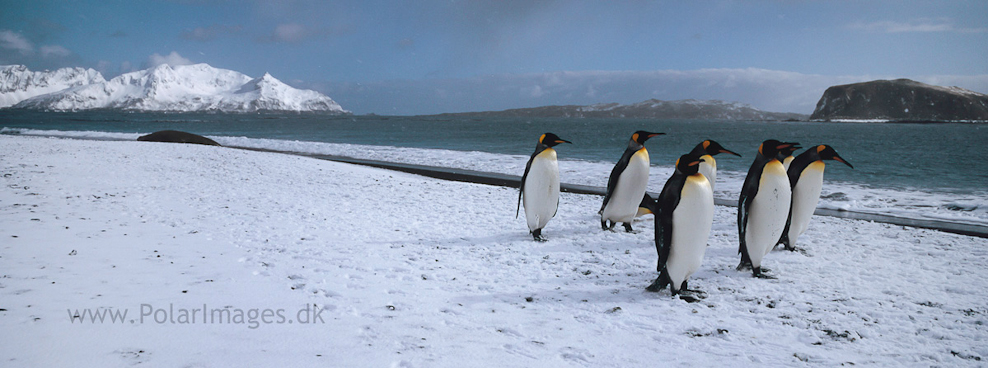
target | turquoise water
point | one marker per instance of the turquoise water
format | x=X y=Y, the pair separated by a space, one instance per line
x=935 y=158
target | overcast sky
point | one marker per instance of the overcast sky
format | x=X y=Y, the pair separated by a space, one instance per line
x=419 y=57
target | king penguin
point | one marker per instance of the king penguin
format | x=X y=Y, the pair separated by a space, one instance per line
x=626 y=185
x=684 y=216
x=806 y=181
x=708 y=166
x=785 y=156
x=763 y=206
x=540 y=185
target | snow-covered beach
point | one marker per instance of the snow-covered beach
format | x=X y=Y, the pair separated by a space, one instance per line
x=411 y=271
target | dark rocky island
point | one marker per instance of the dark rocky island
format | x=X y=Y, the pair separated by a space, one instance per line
x=901 y=100
x=651 y=109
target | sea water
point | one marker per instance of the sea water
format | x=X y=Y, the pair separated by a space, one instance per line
x=915 y=170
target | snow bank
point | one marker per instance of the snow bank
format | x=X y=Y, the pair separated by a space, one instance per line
x=411 y=271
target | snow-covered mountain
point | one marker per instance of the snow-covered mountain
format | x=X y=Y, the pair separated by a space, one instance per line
x=17 y=83
x=198 y=87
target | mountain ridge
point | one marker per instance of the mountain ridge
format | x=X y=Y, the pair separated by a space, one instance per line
x=180 y=88
x=648 y=109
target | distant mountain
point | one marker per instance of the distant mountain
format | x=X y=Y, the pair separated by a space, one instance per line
x=197 y=87
x=651 y=109
x=17 y=83
x=900 y=100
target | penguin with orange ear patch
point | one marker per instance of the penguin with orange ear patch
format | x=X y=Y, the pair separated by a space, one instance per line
x=706 y=150
x=626 y=185
x=763 y=207
x=540 y=185
x=806 y=179
x=684 y=214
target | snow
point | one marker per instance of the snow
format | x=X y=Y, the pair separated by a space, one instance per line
x=412 y=272
x=198 y=87
x=915 y=203
x=17 y=83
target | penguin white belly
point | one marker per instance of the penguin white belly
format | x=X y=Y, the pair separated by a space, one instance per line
x=541 y=193
x=709 y=169
x=691 y=223
x=768 y=212
x=805 y=197
x=629 y=190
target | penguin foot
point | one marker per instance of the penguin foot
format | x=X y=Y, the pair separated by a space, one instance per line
x=689 y=298
x=657 y=285
x=692 y=296
x=758 y=272
x=627 y=226
x=604 y=225
x=537 y=234
x=744 y=266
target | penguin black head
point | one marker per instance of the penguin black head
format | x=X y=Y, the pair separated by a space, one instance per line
x=550 y=140
x=828 y=153
x=713 y=148
x=787 y=151
x=641 y=136
x=772 y=147
x=688 y=164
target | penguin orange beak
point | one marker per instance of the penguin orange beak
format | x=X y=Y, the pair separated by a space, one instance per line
x=563 y=141
x=785 y=145
x=650 y=135
x=731 y=152
x=841 y=159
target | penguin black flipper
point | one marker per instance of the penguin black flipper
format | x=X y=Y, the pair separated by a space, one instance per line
x=615 y=174
x=649 y=203
x=528 y=167
x=666 y=204
x=748 y=191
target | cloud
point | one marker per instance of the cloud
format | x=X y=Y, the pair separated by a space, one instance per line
x=205 y=34
x=15 y=42
x=915 y=26
x=18 y=49
x=171 y=59
x=298 y=33
x=54 y=51
x=291 y=32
